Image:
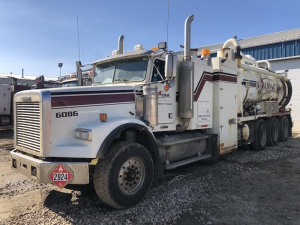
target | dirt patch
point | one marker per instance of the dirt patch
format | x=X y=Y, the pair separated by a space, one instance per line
x=244 y=187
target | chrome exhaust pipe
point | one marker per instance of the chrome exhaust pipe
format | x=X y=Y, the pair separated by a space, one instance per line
x=186 y=81
x=120 y=47
x=187 y=38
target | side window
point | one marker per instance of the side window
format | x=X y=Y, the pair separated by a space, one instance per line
x=160 y=66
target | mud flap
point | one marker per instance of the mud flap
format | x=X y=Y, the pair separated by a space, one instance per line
x=212 y=147
x=291 y=126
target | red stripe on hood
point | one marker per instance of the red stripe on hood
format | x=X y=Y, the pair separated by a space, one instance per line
x=58 y=101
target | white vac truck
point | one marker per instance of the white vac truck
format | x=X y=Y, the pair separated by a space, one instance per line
x=149 y=111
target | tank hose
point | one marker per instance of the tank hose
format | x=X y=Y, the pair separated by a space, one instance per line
x=289 y=95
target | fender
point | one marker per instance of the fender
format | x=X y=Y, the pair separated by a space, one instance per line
x=102 y=132
x=139 y=126
x=150 y=143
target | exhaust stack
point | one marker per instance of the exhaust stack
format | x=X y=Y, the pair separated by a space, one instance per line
x=120 y=46
x=187 y=38
x=186 y=81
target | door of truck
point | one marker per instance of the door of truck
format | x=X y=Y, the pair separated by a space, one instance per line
x=166 y=97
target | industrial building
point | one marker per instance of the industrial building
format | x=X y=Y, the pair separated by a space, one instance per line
x=26 y=80
x=282 y=50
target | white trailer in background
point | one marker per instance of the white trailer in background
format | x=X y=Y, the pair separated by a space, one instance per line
x=5 y=104
x=149 y=111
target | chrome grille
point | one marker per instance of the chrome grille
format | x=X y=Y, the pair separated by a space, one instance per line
x=28 y=125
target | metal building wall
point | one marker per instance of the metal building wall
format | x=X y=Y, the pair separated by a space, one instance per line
x=273 y=51
x=293 y=65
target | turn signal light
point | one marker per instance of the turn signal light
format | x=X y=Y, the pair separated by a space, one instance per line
x=154 y=48
x=166 y=87
x=205 y=52
x=103 y=117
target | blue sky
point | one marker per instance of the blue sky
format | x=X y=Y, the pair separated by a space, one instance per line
x=36 y=35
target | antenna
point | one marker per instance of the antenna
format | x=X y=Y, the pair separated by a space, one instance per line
x=168 y=24
x=82 y=56
x=97 y=42
x=78 y=39
x=125 y=35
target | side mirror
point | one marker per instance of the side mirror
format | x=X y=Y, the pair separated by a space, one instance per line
x=171 y=66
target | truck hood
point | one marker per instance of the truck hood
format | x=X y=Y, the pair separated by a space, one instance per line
x=83 y=96
x=94 y=95
x=76 y=89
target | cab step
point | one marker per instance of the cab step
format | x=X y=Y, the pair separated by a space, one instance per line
x=176 y=139
x=186 y=161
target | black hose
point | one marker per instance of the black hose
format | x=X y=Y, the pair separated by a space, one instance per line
x=289 y=94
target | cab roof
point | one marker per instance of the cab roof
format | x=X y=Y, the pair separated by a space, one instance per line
x=127 y=55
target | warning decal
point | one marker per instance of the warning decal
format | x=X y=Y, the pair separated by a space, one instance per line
x=60 y=176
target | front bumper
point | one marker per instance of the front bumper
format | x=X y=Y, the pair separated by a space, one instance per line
x=40 y=170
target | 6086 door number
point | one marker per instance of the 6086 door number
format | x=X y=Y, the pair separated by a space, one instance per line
x=66 y=114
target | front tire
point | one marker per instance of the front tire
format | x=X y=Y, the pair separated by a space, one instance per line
x=124 y=176
x=260 y=135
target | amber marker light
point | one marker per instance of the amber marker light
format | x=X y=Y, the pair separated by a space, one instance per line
x=205 y=52
x=155 y=48
x=166 y=87
x=103 y=117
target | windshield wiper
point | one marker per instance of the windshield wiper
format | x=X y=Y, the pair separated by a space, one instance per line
x=120 y=79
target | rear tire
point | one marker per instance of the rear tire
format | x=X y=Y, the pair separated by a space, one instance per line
x=260 y=135
x=272 y=131
x=284 y=127
x=124 y=176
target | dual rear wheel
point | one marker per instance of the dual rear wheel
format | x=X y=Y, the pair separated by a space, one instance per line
x=270 y=132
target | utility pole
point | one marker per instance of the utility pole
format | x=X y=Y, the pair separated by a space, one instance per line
x=60 y=66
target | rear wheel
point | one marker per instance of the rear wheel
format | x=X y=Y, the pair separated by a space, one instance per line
x=272 y=131
x=125 y=175
x=284 y=126
x=260 y=135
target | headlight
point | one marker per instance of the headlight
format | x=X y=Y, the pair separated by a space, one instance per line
x=83 y=134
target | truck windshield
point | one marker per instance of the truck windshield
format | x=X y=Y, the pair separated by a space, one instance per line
x=121 y=71
x=69 y=83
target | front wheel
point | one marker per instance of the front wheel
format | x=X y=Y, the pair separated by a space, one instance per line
x=125 y=175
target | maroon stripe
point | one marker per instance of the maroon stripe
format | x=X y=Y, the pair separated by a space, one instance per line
x=220 y=77
x=206 y=77
x=201 y=85
x=91 y=99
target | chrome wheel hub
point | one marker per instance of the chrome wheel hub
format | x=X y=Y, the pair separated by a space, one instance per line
x=131 y=176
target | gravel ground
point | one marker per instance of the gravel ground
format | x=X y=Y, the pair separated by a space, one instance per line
x=244 y=187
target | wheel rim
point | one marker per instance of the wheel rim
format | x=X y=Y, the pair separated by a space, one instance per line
x=263 y=135
x=131 y=176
